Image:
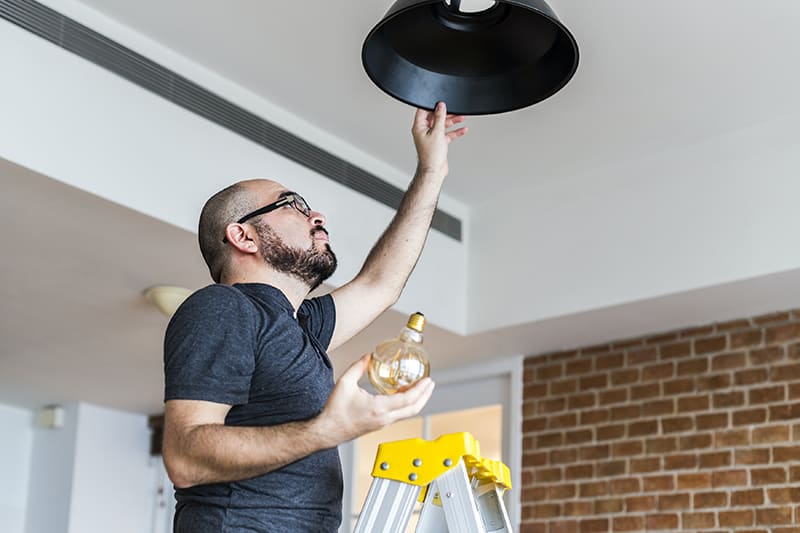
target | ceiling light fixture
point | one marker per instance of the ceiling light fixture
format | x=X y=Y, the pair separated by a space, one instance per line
x=506 y=55
x=167 y=297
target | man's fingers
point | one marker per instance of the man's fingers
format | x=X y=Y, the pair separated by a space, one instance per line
x=356 y=370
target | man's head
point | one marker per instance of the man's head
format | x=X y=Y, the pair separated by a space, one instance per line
x=262 y=216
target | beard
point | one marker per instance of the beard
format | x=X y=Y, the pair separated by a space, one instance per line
x=311 y=266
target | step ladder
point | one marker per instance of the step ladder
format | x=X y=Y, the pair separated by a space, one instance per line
x=461 y=491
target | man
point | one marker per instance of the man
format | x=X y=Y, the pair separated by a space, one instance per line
x=252 y=416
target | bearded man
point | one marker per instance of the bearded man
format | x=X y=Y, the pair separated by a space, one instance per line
x=253 y=417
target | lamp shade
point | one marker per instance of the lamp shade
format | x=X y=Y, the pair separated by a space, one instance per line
x=511 y=55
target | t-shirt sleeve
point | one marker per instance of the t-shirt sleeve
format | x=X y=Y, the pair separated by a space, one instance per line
x=320 y=317
x=209 y=348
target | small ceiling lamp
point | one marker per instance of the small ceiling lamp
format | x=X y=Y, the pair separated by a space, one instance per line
x=167 y=298
x=509 y=55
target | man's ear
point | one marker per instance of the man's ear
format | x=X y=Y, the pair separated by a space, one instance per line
x=242 y=238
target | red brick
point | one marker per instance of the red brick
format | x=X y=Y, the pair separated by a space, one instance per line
x=784 y=495
x=692 y=367
x=696 y=331
x=561 y=492
x=703 y=500
x=578 y=437
x=745 y=339
x=680 y=462
x=563 y=526
x=627 y=343
x=750 y=377
x=658 y=408
x=700 y=480
x=749 y=417
x=628 y=523
x=785 y=372
x=713 y=421
x=622 y=449
x=729 y=478
x=715 y=460
x=695 y=442
x=713 y=382
x=577 y=508
x=673 y=502
x=533 y=494
x=639 y=356
x=608 y=362
x=581 y=366
x=728 y=361
x=563 y=455
x=595 y=525
x=768 y=476
x=613 y=396
x=590 y=453
x=794 y=473
x=535 y=390
x=711 y=344
x=675 y=350
x=592 y=350
x=771 y=318
x=595 y=416
x=786 y=454
x=546 y=373
x=610 y=468
x=793 y=350
x=546 y=510
x=610 y=432
x=694 y=403
x=563 y=421
x=548 y=440
x=736 y=518
x=562 y=356
x=638 y=504
x=625 y=485
x=723 y=400
x=763 y=356
x=579 y=472
x=767 y=394
x=697 y=520
x=644 y=428
x=581 y=401
x=642 y=466
x=752 y=457
x=599 y=381
x=615 y=505
x=784 y=412
x=733 y=325
x=595 y=488
x=786 y=332
x=677 y=424
x=563 y=387
x=661 y=445
x=774 y=515
x=661 y=338
x=659 y=483
x=642 y=392
x=662 y=521
x=547 y=475
x=625 y=377
x=771 y=434
x=678 y=386
x=740 y=437
x=747 y=498
x=534 y=459
x=660 y=371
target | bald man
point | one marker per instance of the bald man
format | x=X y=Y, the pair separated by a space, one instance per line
x=253 y=417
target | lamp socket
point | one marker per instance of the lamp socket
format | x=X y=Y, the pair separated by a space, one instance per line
x=51 y=417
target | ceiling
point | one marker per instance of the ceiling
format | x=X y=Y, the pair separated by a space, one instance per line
x=653 y=78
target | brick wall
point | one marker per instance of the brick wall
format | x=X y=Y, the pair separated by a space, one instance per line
x=688 y=430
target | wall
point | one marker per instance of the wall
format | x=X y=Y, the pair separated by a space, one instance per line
x=15 y=462
x=696 y=429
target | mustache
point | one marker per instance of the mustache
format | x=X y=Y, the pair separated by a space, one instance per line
x=319 y=228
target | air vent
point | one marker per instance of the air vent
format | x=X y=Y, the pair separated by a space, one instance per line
x=88 y=44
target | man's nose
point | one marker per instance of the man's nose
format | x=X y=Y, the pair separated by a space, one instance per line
x=317 y=218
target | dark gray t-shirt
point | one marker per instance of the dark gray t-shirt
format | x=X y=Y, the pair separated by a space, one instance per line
x=241 y=345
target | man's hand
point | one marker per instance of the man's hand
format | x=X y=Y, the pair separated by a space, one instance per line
x=431 y=138
x=351 y=411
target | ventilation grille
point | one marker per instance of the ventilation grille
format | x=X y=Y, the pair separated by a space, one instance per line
x=87 y=43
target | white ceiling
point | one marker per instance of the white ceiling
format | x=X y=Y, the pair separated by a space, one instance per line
x=654 y=78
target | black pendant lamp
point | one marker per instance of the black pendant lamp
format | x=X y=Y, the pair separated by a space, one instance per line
x=509 y=56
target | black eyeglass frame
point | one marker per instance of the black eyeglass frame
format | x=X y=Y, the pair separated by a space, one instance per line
x=292 y=198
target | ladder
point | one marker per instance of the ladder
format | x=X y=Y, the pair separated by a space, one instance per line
x=461 y=491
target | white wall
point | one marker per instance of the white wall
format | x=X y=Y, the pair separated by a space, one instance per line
x=645 y=237
x=77 y=123
x=16 y=439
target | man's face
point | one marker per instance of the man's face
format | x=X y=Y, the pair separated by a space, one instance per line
x=311 y=264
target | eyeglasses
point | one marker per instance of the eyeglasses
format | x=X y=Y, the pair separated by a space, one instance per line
x=292 y=199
